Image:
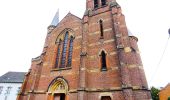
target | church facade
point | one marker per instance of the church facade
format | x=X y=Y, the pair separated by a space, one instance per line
x=89 y=58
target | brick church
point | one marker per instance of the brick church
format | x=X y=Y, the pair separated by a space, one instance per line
x=89 y=58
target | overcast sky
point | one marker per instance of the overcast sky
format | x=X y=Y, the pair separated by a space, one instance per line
x=23 y=28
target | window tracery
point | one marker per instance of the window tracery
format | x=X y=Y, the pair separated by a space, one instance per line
x=64 y=50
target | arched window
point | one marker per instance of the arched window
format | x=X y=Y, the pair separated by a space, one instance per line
x=58 y=53
x=64 y=50
x=70 y=51
x=101 y=28
x=103 y=61
x=103 y=2
x=96 y=4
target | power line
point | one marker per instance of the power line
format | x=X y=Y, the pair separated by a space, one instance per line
x=158 y=65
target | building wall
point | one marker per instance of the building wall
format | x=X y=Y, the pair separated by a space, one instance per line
x=165 y=93
x=13 y=92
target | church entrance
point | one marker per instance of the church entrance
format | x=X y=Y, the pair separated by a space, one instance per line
x=106 y=98
x=59 y=96
x=58 y=90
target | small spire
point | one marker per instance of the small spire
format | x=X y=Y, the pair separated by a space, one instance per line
x=129 y=33
x=55 y=20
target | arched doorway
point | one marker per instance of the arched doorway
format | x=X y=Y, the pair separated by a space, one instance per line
x=58 y=89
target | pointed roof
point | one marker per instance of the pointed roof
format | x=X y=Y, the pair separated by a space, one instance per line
x=69 y=14
x=129 y=33
x=55 y=20
x=12 y=77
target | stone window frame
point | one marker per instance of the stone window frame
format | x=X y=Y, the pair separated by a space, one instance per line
x=59 y=55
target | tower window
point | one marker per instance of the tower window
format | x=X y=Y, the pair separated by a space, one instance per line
x=64 y=51
x=96 y=4
x=103 y=61
x=103 y=2
x=101 y=28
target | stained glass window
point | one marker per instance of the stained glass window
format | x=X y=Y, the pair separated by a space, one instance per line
x=58 y=53
x=64 y=50
x=70 y=51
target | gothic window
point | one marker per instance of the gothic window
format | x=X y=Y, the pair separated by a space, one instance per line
x=58 y=53
x=64 y=51
x=103 y=2
x=103 y=61
x=96 y=4
x=101 y=28
x=70 y=51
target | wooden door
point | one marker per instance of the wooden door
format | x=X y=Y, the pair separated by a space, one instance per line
x=59 y=97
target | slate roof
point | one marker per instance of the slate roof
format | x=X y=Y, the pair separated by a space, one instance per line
x=12 y=77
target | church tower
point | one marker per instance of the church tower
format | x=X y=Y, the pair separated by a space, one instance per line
x=93 y=58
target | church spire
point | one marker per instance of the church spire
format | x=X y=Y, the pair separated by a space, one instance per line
x=55 y=20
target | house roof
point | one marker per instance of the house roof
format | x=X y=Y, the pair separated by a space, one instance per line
x=12 y=77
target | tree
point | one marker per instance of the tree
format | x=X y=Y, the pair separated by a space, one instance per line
x=154 y=93
x=168 y=98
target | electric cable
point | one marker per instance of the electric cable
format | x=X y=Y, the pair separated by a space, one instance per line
x=161 y=58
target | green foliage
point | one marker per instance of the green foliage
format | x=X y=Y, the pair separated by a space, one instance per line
x=168 y=98
x=154 y=93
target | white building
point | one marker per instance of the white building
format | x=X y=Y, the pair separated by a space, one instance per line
x=10 y=84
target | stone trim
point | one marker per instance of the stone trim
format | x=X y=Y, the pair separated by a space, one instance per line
x=98 y=43
x=129 y=49
x=78 y=37
x=98 y=70
x=135 y=65
x=98 y=32
x=112 y=89
x=58 y=69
